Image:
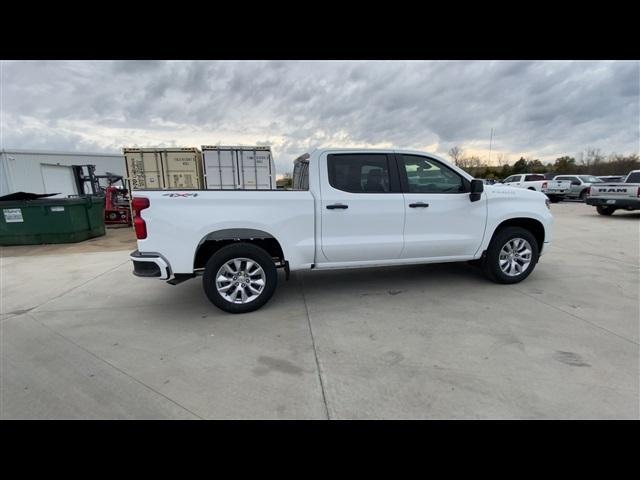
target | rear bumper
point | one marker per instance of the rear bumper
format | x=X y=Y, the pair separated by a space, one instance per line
x=150 y=265
x=619 y=202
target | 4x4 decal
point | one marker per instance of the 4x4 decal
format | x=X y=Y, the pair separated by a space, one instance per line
x=172 y=195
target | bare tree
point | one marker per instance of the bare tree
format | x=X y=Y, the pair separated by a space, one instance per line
x=457 y=154
x=592 y=157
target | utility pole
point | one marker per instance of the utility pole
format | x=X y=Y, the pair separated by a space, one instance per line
x=490 y=143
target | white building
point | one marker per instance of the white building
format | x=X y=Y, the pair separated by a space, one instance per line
x=41 y=171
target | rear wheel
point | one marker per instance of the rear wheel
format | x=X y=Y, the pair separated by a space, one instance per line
x=240 y=278
x=604 y=210
x=554 y=199
x=512 y=255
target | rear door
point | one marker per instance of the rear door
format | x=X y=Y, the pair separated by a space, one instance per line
x=441 y=220
x=362 y=207
x=534 y=178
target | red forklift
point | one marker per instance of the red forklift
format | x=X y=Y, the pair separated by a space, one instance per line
x=117 y=208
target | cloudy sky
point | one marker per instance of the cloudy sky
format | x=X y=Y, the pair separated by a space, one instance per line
x=537 y=109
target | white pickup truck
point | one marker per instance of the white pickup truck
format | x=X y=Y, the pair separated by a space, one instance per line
x=361 y=208
x=554 y=189
x=609 y=197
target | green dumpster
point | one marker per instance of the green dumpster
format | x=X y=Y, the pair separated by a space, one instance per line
x=51 y=220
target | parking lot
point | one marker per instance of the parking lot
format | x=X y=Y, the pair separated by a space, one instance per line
x=83 y=338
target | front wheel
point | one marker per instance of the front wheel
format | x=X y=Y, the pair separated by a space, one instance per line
x=240 y=278
x=512 y=255
x=583 y=195
x=604 y=210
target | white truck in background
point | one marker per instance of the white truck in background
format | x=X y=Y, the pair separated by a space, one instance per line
x=609 y=197
x=359 y=208
x=530 y=181
x=556 y=190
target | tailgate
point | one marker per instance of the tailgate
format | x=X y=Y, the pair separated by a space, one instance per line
x=557 y=186
x=615 y=191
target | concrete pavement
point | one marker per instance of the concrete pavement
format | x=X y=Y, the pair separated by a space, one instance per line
x=81 y=337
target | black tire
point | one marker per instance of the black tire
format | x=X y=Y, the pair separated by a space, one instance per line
x=604 y=210
x=583 y=195
x=491 y=265
x=239 y=250
x=554 y=199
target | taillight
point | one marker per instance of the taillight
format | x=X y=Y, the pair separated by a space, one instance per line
x=544 y=185
x=588 y=190
x=137 y=205
x=638 y=191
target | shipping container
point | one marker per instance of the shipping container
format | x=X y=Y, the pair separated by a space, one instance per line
x=183 y=168
x=238 y=168
x=164 y=168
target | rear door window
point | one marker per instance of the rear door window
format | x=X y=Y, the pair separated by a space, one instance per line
x=360 y=173
x=533 y=178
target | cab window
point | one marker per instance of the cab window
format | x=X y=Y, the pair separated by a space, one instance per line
x=425 y=175
x=359 y=173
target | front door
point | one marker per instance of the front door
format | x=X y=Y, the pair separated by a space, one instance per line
x=441 y=220
x=362 y=207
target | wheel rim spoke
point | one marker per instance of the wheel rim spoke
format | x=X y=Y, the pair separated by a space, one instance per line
x=240 y=280
x=515 y=257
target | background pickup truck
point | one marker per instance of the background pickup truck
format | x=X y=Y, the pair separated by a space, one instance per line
x=530 y=181
x=609 y=197
x=580 y=185
x=355 y=208
x=554 y=189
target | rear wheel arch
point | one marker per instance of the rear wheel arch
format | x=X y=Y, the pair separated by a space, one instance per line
x=214 y=241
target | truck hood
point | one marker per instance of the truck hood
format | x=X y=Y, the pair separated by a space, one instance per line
x=501 y=190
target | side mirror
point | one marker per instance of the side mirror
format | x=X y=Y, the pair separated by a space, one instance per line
x=477 y=187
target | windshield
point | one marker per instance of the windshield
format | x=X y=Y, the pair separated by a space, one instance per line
x=589 y=179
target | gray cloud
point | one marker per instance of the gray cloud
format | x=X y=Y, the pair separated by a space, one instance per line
x=542 y=109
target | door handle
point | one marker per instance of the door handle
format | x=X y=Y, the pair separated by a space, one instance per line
x=336 y=206
x=419 y=205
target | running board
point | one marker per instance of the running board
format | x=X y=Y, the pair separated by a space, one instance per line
x=180 y=277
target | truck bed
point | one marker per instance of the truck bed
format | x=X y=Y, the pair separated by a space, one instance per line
x=187 y=218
